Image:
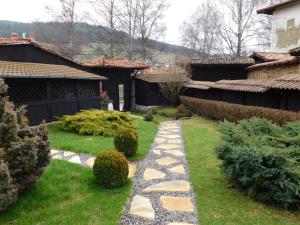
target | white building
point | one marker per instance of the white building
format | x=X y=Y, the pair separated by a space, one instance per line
x=286 y=25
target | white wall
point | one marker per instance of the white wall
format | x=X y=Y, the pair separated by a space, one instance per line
x=290 y=38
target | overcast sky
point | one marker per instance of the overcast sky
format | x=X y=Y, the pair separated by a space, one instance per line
x=34 y=10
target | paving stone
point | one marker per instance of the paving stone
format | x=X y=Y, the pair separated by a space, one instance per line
x=68 y=154
x=166 y=161
x=174 y=141
x=168 y=146
x=57 y=157
x=152 y=174
x=176 y=223
x=165 y=132
x=54 y=152
x=171 y=186
x=75 y=159
x=141 y=206
x=160 y=140
x=178 y=169
x=177 y=204
x=157 y=152
x=90 y=162
x=175 y=153
x=132 y=170
x=170 y=136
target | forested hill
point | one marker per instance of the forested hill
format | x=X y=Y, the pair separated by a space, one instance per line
x=91 y=41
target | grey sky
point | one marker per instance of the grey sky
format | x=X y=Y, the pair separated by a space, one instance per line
x=32 y=10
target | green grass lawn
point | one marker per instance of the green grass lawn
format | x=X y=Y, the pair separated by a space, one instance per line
x=94 y=144
x=67 y=194
x=218 y=202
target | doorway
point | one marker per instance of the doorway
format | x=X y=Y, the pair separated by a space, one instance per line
x=121 y=97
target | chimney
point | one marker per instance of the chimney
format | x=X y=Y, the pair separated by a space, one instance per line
x=14 y=35
x=32 y=36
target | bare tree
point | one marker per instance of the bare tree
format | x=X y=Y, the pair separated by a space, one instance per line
x=241 y=26
x=171 y=90
x=129 y=23
x=66 y=15
x=150 y=25
x=109 y=11
x=200 y=31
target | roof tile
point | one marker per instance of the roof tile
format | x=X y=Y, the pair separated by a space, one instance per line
x=288 y=82
x=115 y=63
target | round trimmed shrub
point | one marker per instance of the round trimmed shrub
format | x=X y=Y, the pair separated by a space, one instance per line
x=126 y=141
x=111 y=169
x=148 y=117
x=183 y=111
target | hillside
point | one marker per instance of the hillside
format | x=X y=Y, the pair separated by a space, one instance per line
x=91 y=41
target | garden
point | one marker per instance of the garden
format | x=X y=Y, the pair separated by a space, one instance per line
x=245 y=172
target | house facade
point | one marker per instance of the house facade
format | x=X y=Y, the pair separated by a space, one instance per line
x=285 y=24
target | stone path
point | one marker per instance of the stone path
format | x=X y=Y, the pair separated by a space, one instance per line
x=84 y=160
x=162 y=193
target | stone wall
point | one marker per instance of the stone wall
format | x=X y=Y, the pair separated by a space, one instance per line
x=273 y=73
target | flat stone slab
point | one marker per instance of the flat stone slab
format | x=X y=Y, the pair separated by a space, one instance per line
x=174 y=141
x=166 y=161
x=170 y=186
x=54 y=152
x=160 y=140
x=75 y=159
x=175 y=153
x=157 y=152
x=132 y=170
x=170 y=136
x=168 y=146
x=68 y=154
x=177 y=204
x=152 y=174
x=177 y=169
x=90 y=162
x=141 y=206
x=57 y=157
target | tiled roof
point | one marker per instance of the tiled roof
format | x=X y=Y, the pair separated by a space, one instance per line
x=270 y=9
x=27 y=41
x=200 y=85
x=288 y=61
x=164 y=78
x=241 y=85
x=289 y=82
x=271 y=56
x=220 y=61
x=115 y=63
x=38 y=70
x=295 y=51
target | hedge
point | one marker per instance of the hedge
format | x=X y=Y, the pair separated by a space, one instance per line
x=263 y=159
x=233 y=112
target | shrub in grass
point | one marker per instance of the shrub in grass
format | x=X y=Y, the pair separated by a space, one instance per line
x=24 y=151
x=148 y=117
x=183 y=111
x=233 y=112
x=263 y=159
x=111 y=169
x=126 y=141
x=96 y=122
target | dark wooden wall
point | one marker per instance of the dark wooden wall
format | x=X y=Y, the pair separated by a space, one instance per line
x=216 y=73
x=47 y=99
x=276 y=99
x=148 y=94
x=117 y=77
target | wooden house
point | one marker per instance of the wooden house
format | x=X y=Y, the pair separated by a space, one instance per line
x=120 y=74
x=215 y=69
x=49 y=90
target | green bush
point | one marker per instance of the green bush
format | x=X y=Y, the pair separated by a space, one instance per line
x=183 y=111
x=233 y=112
x=166 y=111
x=96 y=122
x=148 y=116
x=111 y=169
x=126 y=141
x=264 y=159
x=24 y=151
